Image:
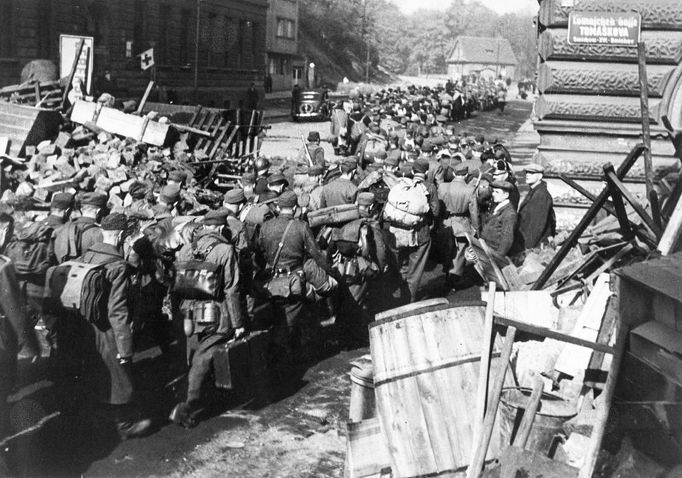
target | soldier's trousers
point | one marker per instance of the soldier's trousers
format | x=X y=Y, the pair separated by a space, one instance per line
x=412 y=261
x=200 y=350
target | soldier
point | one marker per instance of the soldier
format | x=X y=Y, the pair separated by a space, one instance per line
x=209 y=323
x=167 y=201
x=235 y=233
x=315 y=151
x=177 y=177
x=460 y=216
x=109 y=346
x=342 y=190
x=76 y=236
x=502 y=173
x=296 y=248
x=16 y=332
x=139 y=204
x=412 y=259
x=316 y=174
x=262 y=167
x=498 y=231
x=536 y=219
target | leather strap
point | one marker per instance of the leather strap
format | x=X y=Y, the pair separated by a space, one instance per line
x=281 y=245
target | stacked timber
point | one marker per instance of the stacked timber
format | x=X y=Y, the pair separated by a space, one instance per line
x=588 y=112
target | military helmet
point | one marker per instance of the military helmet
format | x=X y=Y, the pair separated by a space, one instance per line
x=261 y=164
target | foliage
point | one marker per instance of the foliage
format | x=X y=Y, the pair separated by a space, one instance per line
x=408 y=44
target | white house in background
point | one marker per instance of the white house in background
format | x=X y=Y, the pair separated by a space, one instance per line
x=484 y=56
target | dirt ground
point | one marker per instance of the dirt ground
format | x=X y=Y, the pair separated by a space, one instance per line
x=296 y=428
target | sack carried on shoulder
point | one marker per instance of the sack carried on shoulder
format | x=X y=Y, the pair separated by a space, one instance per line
x=407 y=204
x=198 y=279
x=79 y=287
x=30 y=252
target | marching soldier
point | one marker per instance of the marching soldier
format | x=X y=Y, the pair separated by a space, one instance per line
x=314 y=149
x=342 y=190
x=109 y=346
x=209 y=323
x=77 y=236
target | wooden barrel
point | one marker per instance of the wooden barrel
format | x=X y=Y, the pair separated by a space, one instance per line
x=426 y=364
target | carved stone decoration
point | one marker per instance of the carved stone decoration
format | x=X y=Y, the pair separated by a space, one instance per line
x=656 y=14
x=575 y=107
x=600 y=78
x=661 y=48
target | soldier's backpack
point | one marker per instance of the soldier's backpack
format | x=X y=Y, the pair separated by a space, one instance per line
x=69 y=240
x=253 y=216
x=198 y=279
x=31 y=253
x=79 y=287
x=375 y=144
x=407 y=204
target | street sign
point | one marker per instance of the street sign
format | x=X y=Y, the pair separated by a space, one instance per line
x=67 y=52
x=596 y=28
x=147 y=59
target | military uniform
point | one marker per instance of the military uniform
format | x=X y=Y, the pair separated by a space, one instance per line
x=66 y=247
x=298 y=246
x=338 y=192
x=15 y=332
x=110 y=381
x=202 y=343
x=460 y=218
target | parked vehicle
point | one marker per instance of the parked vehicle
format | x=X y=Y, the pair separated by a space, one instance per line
x=310 y=104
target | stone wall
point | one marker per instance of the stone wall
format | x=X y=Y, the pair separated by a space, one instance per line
x=588 y=112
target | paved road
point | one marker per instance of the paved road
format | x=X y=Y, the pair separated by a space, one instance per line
x=296 y=430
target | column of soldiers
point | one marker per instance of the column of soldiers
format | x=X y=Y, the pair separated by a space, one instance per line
x=259 y=233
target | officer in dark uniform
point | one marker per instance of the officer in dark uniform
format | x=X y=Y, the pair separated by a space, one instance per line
x=297 y=247
x=536 y=218
x=109 y=346
x=209 y=324
x=235 y=232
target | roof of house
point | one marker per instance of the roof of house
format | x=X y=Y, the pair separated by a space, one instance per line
x=482 y=50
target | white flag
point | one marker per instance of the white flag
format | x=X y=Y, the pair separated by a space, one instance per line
x=147 y=59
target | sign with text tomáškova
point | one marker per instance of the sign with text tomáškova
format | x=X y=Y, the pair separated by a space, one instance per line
x=67 y=53
x=614 y=29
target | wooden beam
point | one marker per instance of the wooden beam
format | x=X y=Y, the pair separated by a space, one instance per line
x=143 y=101
x=72 y=73
x=621 y=213
x=615 y=182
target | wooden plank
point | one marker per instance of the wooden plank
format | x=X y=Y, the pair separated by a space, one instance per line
x=72 y=73
x=573 y=359
x=534 y=307
x=117 y=122
x=143 y=101
x=367 y=449
x=553 y=334
x=218 y=141
x=83 y=111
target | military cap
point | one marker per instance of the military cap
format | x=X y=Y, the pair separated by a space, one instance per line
x=487 y=177
x=95 y=199
x=313 y=136
x=504 y=185
x=462 y=170
x=287 y=199
x=277 y=178
x=215 y=218
x=420 y=167
x=365 y=199
x=427 y=146
x=177 y=175
x=62 y=201
x=234 y=196
x=115 y=222
x=348 y=165
x=480 y=138
x=499 y=153
x=392 y=160
x=315 y=170
x=170 y=193
x=534 y=168
x=137 y=190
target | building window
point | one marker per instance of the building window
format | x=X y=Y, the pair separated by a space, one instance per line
x=186 y=38
x=286 y=28
x=164 y=55
x=272 y=66
x=283 y=66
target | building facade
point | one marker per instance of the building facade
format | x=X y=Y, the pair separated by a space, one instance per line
x=284 y=65
x=482 y=56
x=231 y=53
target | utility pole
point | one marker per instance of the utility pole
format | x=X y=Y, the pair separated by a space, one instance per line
x=366 y=31
x=196 y=52
x=497 y=61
